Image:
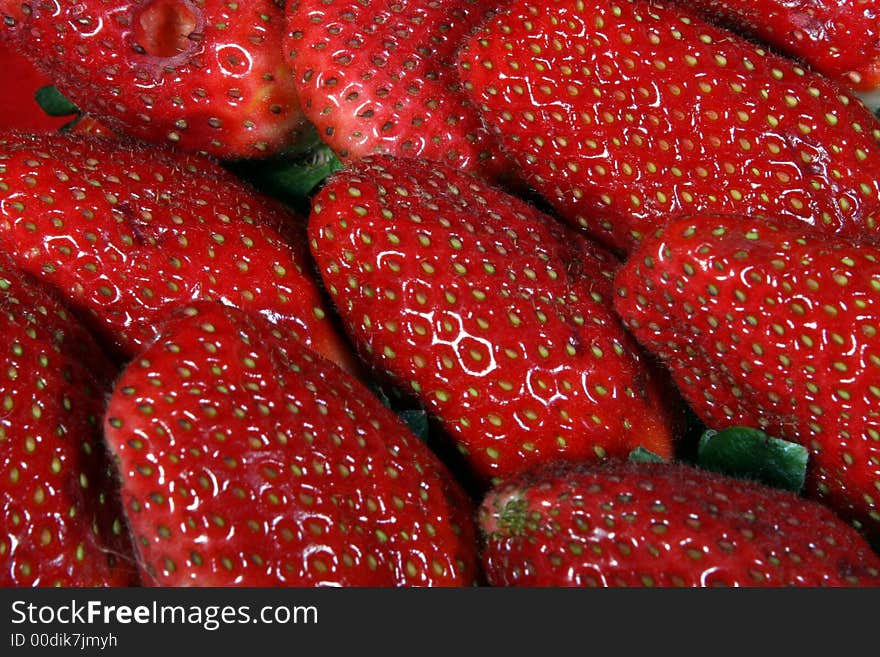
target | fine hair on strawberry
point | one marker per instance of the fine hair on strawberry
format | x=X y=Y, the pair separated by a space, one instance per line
x=494 y=316
x=663 y=525
x=769 y=323
x=125 y=232
x=248 y=460
x=626 y=114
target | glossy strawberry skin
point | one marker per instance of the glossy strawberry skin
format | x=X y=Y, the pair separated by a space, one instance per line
x=125 y=232
x=19 y=81
x=624 y=119
x=249 y=461
x=664 y=525
x=766 y=324
x=380 y=78
x=494 y=316
x=61 y=521
x=838 y=39
x=203 y=75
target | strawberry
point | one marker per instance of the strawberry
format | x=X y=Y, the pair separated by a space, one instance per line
x=125 y=232
x=247 y=460
x=61 y=523
x=664 y=524
x=19 y=81
x=838 y=39
x=204 y=75
x=380 y=78
x=88 y=124
x=768 y=324
x=497 y=318
x=626 y=114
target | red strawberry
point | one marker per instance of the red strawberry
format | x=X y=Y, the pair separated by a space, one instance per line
x=380 y=78
x=60 y=519
x=625 y=114
x=205 y=75
x=247 y=460
x=19 y=81
x=662 y=524
x=770 y=325
x=125 y=232
x=494 y=315
x=839 y=39
x=86 y=124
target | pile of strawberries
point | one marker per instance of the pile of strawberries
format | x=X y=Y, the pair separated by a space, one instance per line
x=563 y=234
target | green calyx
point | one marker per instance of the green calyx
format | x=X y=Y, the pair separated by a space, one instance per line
x=642 y=455
x=54 y=103
x=745 y=453
x=752 y=454
x=291 y=177
x=511 y=517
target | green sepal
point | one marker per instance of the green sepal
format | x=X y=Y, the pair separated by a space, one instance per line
x=642 y=455
x=749 y=453
x=53 y=102
x=71 y=125
x=291 y=178
x=415 y=418
x=302 y=175
x=380 y=393
x=417 y=421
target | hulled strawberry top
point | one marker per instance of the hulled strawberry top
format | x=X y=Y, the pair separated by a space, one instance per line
x=204 y=75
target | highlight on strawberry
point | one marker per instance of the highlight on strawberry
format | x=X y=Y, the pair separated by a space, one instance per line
x=455 y=293
x=380 y=77
x=768 y=324
x=494 y=316
x=61 y=521
x=125 y=232
x=246 y=460
x=202 y=75
x=838 y=39
x=663 y=525
x=626 y=114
